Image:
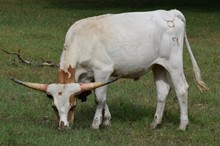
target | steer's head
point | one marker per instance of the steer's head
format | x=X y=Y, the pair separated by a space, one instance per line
x=63 y=97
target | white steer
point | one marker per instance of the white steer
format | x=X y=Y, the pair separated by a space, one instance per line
x=128 y=45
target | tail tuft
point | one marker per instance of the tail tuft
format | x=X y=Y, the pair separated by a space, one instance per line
x=197 y=73
x=199 y=82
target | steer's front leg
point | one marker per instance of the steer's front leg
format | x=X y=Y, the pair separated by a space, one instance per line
x=107 y=116
x=100 y=106
x=102 y=114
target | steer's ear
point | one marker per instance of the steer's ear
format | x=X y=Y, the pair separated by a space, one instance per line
x=90 y=86
x=87 y=87
x=36 y=86
x=83 y=95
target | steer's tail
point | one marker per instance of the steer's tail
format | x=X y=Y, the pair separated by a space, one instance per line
x=197 y=73
x=199 y=82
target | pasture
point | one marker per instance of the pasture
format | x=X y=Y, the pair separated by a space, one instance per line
x=38 y=28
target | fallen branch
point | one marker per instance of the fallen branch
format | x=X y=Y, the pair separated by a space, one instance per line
x=44 y=63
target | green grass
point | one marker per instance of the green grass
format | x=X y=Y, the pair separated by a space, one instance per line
x=38 y=29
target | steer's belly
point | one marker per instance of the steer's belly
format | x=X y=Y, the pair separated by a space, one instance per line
x=134 y=66
x=131 y=73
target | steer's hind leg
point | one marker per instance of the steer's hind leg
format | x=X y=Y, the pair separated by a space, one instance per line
x=163 y=88
x=102 y=111
x=181 y=89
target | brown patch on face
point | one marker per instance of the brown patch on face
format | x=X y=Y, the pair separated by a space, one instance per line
x=72 y=100
x=57 y=115
x=70 y=116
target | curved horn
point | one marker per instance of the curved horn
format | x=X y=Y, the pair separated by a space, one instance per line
x=90 y=86
x=36 y=86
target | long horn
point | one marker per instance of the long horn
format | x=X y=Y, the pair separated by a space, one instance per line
x=90 y=86
x=36 y=86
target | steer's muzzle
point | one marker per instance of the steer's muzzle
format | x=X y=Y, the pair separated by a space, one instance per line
x=62 y=126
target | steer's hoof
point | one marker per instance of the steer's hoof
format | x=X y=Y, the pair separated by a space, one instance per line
x=182 y=127
x=96 y=123
x=95 y=127
x=106 y=122
x=153 y=125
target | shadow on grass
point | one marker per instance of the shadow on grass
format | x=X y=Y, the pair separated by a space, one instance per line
x=120 y=112
x=127 y=113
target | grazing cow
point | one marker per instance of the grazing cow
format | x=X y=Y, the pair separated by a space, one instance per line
x=128 y=45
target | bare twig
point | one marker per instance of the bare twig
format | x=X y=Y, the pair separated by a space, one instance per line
x=18 y=55
x=44 y=63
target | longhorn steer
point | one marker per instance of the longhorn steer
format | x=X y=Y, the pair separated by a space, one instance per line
x=127 y=44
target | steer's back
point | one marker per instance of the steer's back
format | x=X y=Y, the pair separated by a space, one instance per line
x=128 y=42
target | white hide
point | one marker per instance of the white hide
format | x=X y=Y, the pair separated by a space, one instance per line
x=129 y=44
x=61 y=94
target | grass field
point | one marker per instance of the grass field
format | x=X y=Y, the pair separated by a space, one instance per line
x=37 y=29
